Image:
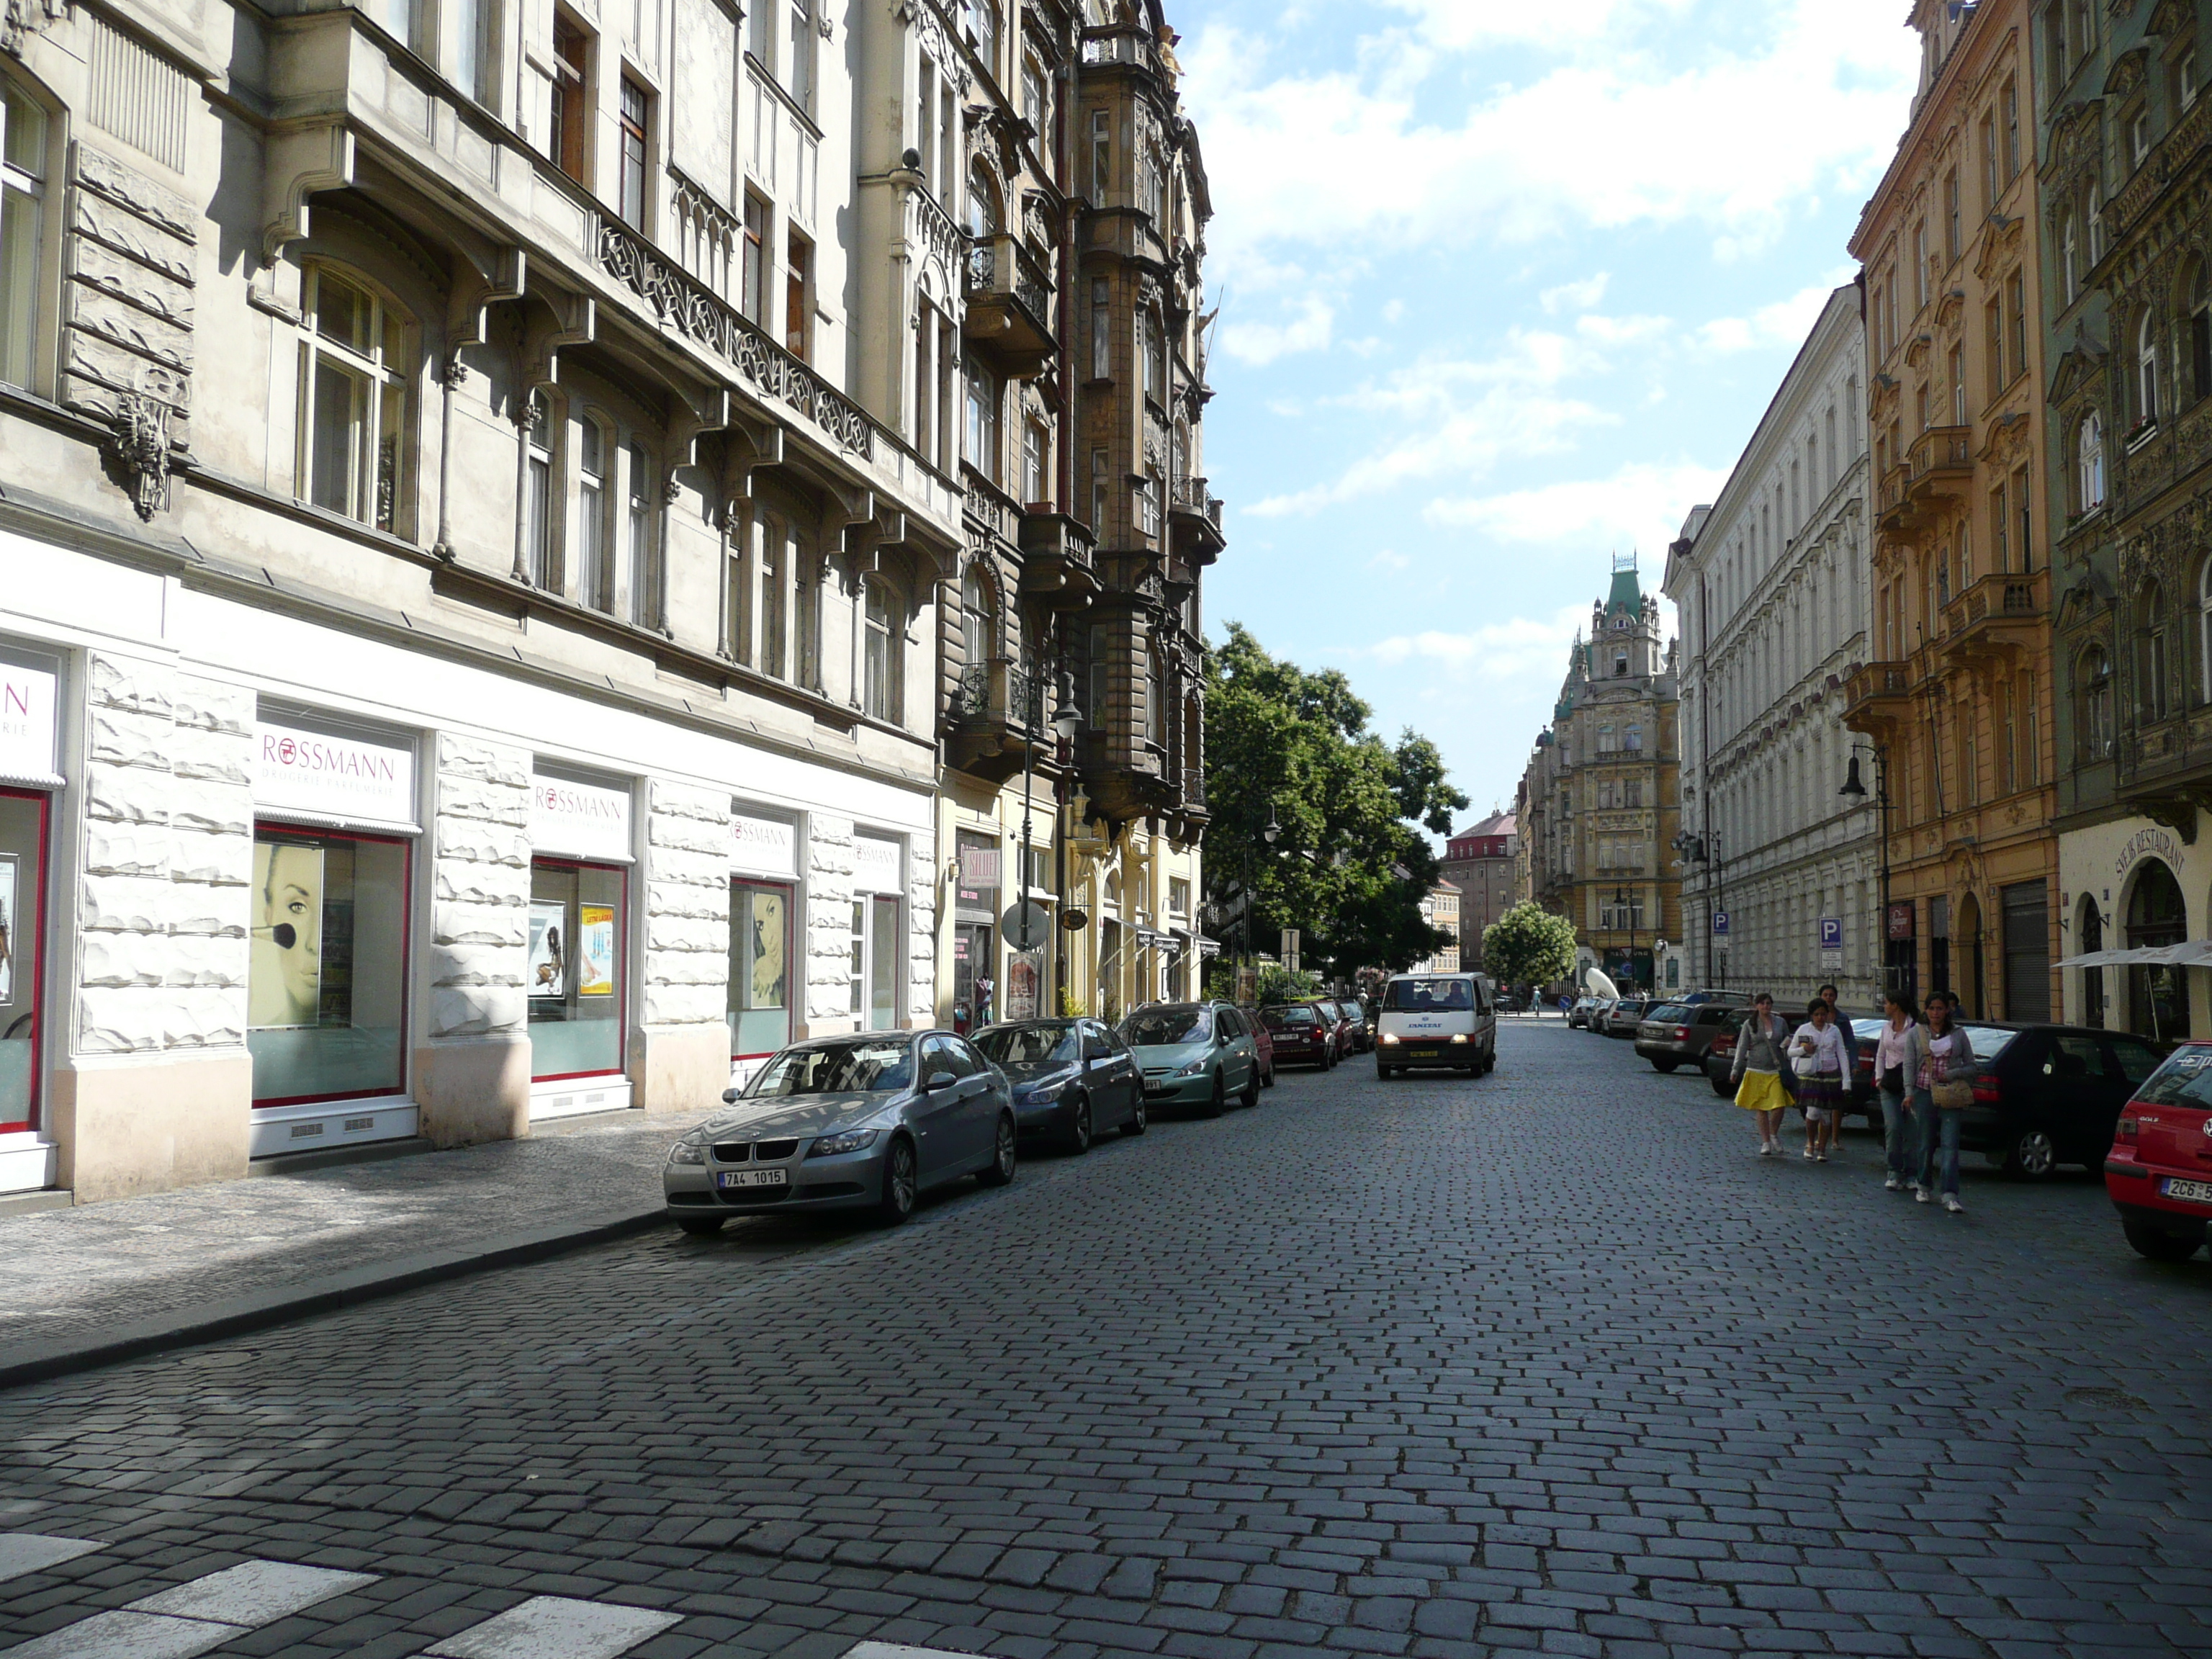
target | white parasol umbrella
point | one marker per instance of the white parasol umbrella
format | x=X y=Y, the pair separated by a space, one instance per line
x=1601 y=985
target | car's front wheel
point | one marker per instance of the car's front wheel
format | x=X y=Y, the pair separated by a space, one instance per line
x=1078 y=1131
x=702 y=1226
x=2032 y=1156
x=1217 y=1100
x=1001 y=1170
x=902 y=1183
x=1721 y=1087
x=2152 y=1240
x=1139 y=1118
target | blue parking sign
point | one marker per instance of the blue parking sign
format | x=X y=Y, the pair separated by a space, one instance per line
x=1720 y=924
x=1832 y=933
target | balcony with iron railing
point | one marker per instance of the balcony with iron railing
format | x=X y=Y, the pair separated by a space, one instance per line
x=1938 y=464
x=1877 y=695
x=1009 y=305
x=1998 y=615
x=992 y=720
x=1059 y=559
x=1194 y=520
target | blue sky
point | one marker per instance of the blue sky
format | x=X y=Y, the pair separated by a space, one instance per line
x=1505 y=286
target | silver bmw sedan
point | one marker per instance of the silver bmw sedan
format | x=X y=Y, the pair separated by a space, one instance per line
x=863 y=1121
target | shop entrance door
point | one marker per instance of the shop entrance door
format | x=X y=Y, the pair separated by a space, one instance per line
x=971 y=969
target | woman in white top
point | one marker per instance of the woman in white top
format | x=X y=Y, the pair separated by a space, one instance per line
x=1820 y=1056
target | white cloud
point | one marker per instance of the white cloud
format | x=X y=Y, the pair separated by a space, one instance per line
x=1500 y=651
x=1386 y=560
x=1575 y=296
x=1641 y=506
x=1786 y=322
x=1607 y=141
x=1261 y=343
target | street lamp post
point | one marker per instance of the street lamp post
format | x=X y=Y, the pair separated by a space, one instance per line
x=1066 y=722
x=1856 y=791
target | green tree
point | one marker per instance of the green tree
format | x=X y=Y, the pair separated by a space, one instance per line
x=1528 y=945
x=1350 y=866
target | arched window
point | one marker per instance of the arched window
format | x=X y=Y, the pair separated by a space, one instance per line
x=2093 y=678
x=879 y=653
x=2089 y=456
x=979 y=616
x=985 y=215
x=2198 y=295
x=23 y=206
x=2157 y=916
x=353 y=400
x=2146 y=367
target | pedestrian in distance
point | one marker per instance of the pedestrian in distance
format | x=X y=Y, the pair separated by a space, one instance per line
x=1761 y=1072
x=1947 y=1090
x=1898 y=1055
x=1817 y=1053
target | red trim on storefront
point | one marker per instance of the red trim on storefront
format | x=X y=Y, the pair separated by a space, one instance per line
x=622 y=965
x=37 y=937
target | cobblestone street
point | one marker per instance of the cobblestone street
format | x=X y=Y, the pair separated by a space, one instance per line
x=1544 y=1361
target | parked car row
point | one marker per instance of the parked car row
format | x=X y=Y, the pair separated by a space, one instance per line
x=1321 y=1031
x=870 y=1120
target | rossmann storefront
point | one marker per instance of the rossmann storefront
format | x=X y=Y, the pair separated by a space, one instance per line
x=269 y=888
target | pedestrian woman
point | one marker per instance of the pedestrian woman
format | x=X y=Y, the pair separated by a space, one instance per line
x=1818 y=1054
x=1898 y=1055
x=1760 y=1066
x=1947 y=1090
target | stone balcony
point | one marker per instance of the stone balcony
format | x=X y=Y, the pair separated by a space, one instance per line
x=1878 y=696
x=1998 y=618
x=1195 y=521
x=1009 y=322
x=992 y=721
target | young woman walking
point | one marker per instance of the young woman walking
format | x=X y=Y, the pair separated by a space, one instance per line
x=1818 y=1048
x=1947 y=1090
x=1759 y=1070
x=1898 y=1055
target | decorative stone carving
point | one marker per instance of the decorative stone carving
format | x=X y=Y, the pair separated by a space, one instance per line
x=25 y=18
x=142 y=450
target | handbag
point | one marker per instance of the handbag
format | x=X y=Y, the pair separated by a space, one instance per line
x=1893 y=1080
x=1952 y=1097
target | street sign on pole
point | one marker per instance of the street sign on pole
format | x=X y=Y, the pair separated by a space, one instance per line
x=1832 y=933
x=1720 y=924
x=1291 y=949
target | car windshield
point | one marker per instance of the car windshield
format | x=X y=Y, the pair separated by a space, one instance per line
x=1278 y=1019
x=1422 y=996
x=1028 y=1045
x=871 y=1065
x=1670 y=1011
x=2185 y=1079
x=1167 y=1027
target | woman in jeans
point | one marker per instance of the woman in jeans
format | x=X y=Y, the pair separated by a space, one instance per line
x=1950 y=1058
x=1822 y=1060
x=1759 y=1070
x=1899 y=1056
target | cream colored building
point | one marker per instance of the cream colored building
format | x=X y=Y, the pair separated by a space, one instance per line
x=484 y=489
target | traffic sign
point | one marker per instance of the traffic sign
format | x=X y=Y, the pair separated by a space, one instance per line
x=1832 y=933
x=1720 y=924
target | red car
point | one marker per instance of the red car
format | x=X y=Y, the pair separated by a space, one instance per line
x=2159 y=1172
x=1301 y=1036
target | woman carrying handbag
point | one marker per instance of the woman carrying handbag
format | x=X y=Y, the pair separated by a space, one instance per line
x=1946 y=1088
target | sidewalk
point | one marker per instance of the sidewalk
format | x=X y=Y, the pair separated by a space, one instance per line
x=99 y=1283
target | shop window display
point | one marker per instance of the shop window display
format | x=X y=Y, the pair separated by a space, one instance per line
x=22 y=878
x=326 y=985
x=760 y=968
x=577 y=921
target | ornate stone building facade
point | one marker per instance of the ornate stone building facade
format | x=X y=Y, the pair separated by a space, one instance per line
x=2125 y=204
x=1088 y=522
x=491 y=490
x=1957 y=693
x=1782 y=872
x=1601 y=802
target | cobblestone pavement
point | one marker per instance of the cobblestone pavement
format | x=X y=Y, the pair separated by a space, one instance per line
x=1544 y=1361
x=74 y=1272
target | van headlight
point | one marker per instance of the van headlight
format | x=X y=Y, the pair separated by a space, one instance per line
x=1459 y=1037
x=1389 y=1039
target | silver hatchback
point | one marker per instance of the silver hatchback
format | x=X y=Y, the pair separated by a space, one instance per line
x=865 y=1121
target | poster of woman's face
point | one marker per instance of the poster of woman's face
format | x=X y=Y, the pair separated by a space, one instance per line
x=284 y=984
x=549 y=951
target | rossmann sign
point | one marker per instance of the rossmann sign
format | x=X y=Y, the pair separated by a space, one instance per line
x=302 y=771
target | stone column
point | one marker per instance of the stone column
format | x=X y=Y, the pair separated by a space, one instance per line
x=472 y=1065
x=829 y=1004
x=682 y=1058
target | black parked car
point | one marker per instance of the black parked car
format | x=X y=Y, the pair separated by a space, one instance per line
x=1072 y=1078
x=2047 y=1095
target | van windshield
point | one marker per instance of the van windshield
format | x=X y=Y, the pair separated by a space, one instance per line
x=1428 y=996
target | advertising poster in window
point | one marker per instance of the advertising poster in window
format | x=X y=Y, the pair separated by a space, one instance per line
x=7 y=931
x=284 y=980
x=548 y=950
x=595 y=951
x=1024 y=979
x=767 y=950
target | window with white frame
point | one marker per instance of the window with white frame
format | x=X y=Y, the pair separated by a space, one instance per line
x=2089 y=456
x=538 y=492
x=643 y=525
x=880 y=655
x=983 y=446
x=800 y=71
x=2146 y=367
x=595 y=576
x=22 y=208
x=353 y=398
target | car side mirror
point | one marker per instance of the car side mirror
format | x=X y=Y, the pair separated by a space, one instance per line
x=729 y=1097
x=939 y=1080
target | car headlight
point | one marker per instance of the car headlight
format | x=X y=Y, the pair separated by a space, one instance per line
x=1390 y=1037
x=1042 y=1095
x=852 y=1140
x=1459 y=1037
x=688 y=1151
x=1193 y=1069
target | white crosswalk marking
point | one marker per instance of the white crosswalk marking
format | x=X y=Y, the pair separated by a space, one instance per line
x=192 y=1618
x=556 y=1628
x=31 y=1552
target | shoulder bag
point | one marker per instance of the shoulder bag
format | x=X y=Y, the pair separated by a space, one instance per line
x=1950 y=1095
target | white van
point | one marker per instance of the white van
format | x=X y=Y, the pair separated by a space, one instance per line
x=1443 y=1020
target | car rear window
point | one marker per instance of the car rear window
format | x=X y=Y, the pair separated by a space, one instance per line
x=1989 y=1041
x=1278 y=1019
x=2185 y=1079
x=1674 y=1011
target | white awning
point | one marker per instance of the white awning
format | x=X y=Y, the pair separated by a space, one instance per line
x=2190 y=953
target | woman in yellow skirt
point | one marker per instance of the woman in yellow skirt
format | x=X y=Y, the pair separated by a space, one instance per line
x=1757 y=1072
